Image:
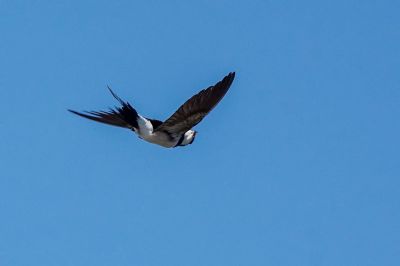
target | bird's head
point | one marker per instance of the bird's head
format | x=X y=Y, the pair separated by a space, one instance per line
x=188 y=138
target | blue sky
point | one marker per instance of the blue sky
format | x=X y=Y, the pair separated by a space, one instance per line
x=298 y=165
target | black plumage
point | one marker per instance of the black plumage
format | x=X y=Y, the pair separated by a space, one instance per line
x=124 y=116
x=177 y=129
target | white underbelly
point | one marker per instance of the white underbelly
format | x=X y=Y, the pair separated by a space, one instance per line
x=159 y=138
x=145 y=132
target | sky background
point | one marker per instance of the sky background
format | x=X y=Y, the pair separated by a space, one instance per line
x=298 y=165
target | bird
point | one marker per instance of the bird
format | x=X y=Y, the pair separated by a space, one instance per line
x=177 y=130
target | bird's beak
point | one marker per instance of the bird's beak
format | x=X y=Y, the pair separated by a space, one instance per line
x=194 y=135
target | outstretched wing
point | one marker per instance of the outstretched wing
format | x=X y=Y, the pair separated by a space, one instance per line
x=124 y=116
x=197 y=107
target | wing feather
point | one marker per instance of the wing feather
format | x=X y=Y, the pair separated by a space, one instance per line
x=197 y=107
x=124 y=116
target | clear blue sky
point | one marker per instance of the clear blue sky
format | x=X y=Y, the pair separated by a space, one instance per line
x=298 y=165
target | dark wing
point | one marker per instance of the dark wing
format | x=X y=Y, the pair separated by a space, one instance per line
x=197 y=107
x=156 y=123
x=124 y=116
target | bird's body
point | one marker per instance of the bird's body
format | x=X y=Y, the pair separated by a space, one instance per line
x=176 y=130
x=146 y=132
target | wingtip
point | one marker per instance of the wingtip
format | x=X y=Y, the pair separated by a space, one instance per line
x=230 y=77
x=75 y=112
x=115 y=95
x=111 y=91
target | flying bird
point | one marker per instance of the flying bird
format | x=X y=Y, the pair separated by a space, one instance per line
x=173 y=132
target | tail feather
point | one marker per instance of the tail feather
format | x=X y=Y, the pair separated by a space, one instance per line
x=115 y=95
x=124 y=116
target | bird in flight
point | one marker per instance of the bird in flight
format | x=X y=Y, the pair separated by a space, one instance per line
x=173 y=132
